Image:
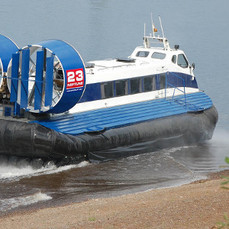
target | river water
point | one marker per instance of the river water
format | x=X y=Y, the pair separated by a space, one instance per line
x=101 y=29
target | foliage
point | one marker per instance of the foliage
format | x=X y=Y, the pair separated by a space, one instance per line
x=91 y=219
x=227 y=160
x=224 y=225
x=225 y=183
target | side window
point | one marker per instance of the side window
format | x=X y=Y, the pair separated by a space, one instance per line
x=142 y=54
x=121 y=87
x=174 y=59
x=107 y=90
x=158 y=55
x=134 y=86
x=162 y=81
x=149 y=83
x=182 y=61
x=148 y=86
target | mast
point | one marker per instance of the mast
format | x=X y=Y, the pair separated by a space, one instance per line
x=165 y=41
x=153 y=27
x=145 y=38
x=153 y=37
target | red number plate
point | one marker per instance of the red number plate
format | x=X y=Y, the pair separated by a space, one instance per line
x=75 y=78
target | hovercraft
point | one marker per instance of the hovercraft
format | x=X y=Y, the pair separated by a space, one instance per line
x=54 y=107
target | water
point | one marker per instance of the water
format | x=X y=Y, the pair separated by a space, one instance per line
x=113 y=28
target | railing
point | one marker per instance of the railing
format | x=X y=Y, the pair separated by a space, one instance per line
x=175 y=87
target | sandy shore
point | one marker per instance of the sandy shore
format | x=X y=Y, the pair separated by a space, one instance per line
x=198 y=205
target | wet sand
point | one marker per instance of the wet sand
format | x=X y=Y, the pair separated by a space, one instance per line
x=200 y=204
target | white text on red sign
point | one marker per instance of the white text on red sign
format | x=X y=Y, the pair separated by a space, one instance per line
x=75 y=78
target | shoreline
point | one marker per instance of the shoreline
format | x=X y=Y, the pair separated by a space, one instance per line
x=200 y=204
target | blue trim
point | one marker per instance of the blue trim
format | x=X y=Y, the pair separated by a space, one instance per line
x=74 y=76
x=114 y=89
x=14 y=77
x=39 y=80
x=49 y=81
x=70 y=61
x=179 y=82
x=125 y=115
x=93 y=91
x=7 y=48
x=24 y=78
x=157 y=82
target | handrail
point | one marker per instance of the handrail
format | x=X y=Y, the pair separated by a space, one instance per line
x=175 y=88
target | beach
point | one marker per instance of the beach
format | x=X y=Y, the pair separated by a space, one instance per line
x=200 y=204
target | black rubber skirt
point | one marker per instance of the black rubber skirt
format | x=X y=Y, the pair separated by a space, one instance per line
x=22 y=139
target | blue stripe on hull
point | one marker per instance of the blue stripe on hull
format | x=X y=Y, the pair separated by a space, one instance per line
x=93 y=91
x=125 y=115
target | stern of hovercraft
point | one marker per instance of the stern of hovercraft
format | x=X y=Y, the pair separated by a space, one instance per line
x=37 y=81
x=48 y=77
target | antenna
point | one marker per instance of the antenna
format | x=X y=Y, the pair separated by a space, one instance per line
x=153 y=27
x=162 y=30
x=144 y=37
x=144 y=29
x=166 y=45
x=152 y=37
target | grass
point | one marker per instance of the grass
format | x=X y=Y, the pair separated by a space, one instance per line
x=225 y=224
x=225 y=183
x=91 y=219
